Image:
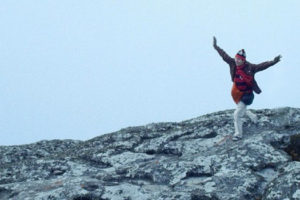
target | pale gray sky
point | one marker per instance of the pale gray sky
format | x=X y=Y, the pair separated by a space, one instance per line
x=78 y=69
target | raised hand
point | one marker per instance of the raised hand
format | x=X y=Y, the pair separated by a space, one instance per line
x=277 y=58
x=215 y=41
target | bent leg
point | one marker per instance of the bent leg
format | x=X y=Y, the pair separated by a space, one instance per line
x=252 y=116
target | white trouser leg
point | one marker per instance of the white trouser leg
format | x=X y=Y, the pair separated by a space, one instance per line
x=238 y=114
x=252 y=116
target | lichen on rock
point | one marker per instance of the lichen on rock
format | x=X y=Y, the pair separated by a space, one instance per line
x=192 y=159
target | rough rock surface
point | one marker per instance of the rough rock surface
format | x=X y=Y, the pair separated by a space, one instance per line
x=189 y=160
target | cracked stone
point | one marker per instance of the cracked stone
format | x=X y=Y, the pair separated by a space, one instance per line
x=163 y=161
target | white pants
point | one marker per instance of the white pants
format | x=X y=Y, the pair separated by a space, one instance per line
x=239 y=113
x=238 y=121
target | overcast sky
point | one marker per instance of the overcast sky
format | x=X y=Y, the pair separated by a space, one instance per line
x=73 y=69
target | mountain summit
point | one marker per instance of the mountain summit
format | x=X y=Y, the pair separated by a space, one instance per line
x=194 y=159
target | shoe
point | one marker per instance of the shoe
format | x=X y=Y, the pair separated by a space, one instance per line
x=237 y=137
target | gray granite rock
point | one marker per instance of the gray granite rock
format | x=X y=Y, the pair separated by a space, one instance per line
x=188 y=160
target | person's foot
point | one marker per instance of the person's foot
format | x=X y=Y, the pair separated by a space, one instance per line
x=237 y=137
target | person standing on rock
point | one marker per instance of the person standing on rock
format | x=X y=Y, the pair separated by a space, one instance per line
x=242 y=75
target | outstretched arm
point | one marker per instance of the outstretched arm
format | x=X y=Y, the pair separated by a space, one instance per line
x=222 y=53
x=267 y=64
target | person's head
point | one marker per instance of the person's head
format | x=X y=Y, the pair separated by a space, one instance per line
x=240 y=57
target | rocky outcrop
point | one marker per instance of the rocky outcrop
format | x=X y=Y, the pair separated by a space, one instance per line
x=190 y=160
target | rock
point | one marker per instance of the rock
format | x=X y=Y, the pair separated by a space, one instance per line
x=286 y=185
x=293 y=149
x=188 y=160
x=7 y=193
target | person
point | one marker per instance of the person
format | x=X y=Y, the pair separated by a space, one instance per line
x=242 y=75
